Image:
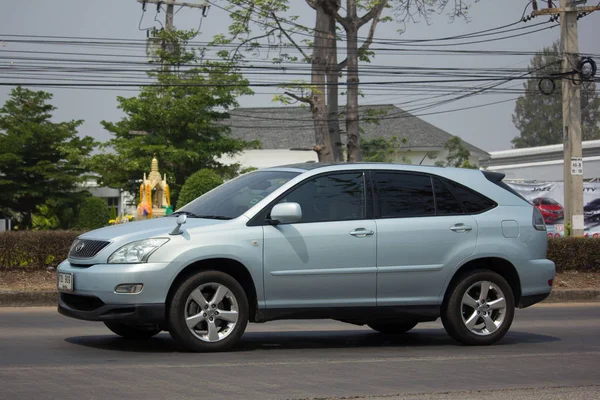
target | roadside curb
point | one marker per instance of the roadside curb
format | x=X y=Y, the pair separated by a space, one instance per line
x=50 y=297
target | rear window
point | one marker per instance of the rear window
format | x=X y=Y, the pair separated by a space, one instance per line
x=472 y=201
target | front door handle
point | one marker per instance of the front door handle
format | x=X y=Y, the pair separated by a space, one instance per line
x=459 y=228
x=361 y=232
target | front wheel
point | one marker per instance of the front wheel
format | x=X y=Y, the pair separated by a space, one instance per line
x=480 y=308
x=393 y=328
x=130 y=331
x=208 y=312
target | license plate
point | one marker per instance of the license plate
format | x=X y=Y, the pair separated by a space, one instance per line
x=65 y=282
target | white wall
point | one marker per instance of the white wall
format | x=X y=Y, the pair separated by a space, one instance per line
x=547 y=170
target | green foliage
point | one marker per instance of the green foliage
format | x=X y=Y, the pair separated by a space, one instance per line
x=182 y=116
x=26 y=250
x=40 y=161
x=538 y=117
x=458 y=155
x=113 y=213
x=44 y=219
x=198 y=184
x=382 y=149
x=93 y=214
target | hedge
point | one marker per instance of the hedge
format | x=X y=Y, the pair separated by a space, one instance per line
x=34 y=249
x=575 y=254
x=41 y=249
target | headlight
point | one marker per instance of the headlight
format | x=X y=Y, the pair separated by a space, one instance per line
x=136 y=252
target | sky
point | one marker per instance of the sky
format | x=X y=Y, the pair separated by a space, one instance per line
x=488 y=127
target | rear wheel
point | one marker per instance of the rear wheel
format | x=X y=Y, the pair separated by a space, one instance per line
x=208 y=312
x=393 y=328
x=480 y=308
x=131 y=331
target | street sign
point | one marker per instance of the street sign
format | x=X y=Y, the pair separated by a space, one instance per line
x=576 y=166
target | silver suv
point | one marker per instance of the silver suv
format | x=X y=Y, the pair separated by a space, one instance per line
x=384 y=245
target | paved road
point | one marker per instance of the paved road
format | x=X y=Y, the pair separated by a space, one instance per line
x=551 y=352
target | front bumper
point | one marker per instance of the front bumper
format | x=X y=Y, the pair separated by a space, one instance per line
x=90 y=308
x=101 y=280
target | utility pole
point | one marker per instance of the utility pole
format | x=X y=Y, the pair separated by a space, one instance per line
x=571 y=110
x=169 y=26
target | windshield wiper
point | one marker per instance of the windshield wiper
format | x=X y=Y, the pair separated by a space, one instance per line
x=189 y=214
x=214 y=217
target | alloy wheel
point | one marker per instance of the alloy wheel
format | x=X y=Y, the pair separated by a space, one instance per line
x=211 y=312
x=483 y=308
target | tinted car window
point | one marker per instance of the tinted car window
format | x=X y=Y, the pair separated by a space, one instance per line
x=446 y=203
x=339 y=197
x=404 y=195
x=472 y=201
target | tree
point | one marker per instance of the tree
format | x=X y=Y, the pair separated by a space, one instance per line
x=178 y=118
x=322 y=95
x=93 y=214
x=458 y=155
x=40 y=161
x=198 y=184
x=538 y=117
x=383 y=150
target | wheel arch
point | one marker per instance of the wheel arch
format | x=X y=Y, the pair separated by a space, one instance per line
x=498 y=265
x=232 y=267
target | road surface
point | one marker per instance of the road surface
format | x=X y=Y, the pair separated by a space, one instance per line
x=551 y=352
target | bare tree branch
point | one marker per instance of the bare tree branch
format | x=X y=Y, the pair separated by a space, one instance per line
x=237 y=49
x=374 y=12
x=289 y=37
x=299 y=98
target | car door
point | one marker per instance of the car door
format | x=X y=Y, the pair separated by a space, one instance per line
x=423 y=232
x=328 y=258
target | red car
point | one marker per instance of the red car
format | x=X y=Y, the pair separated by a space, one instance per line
x=551 y=210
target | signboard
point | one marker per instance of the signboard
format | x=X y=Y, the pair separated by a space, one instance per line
x=548 y=197
x=576 y=166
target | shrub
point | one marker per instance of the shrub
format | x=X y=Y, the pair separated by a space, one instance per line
x=93 y=214
x=198 y=184
x=113 y=213
x=575 y=254
x=34 y=249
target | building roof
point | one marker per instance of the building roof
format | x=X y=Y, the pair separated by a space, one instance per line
x=292 y=128
x=526 y=156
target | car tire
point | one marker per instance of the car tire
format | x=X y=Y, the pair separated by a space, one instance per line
x=473 y=319
x=133 y=332
x=208 y=312
x=393 y=328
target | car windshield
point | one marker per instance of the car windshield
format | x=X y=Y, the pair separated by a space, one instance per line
x=237 y=196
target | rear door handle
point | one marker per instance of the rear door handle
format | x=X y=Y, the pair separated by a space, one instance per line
x=459 y=228
x=361 y=232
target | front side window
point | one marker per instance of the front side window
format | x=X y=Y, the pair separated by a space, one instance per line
x=404 y=195
x=237 y=196
x=336 y=197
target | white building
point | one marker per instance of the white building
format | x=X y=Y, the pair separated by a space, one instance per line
x=544 y=163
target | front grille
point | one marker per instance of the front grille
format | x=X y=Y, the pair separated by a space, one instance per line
x=84 y=248
x=81 y=303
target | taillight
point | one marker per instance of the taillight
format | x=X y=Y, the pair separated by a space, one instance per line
x=538 y=220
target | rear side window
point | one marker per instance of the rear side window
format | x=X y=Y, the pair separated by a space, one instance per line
x=404 y=195
x=445 y=201
x=472 y=201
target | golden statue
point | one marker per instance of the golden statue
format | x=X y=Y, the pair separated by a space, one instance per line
x=155 y=200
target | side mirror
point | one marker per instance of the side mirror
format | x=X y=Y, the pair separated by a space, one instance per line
x=182 y=219
x=286 y=213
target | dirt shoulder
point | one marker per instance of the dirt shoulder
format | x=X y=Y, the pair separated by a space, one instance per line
x=35 y=281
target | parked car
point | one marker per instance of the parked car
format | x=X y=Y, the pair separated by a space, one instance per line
x=591 y=210
x=383 y=245
x=551 y=210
